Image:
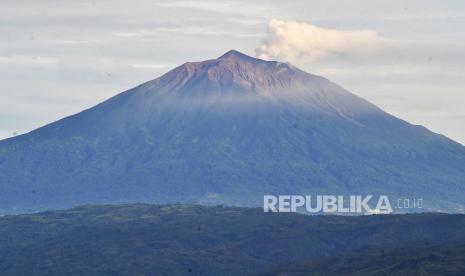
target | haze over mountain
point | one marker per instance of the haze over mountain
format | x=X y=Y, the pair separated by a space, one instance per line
x=229 y=130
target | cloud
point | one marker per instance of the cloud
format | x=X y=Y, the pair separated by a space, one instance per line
x=12 y=60
x=289 y=40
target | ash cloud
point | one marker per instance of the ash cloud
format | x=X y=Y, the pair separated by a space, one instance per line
x=290 y=40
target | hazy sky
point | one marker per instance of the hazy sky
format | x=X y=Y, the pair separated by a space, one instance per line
x=60 y=57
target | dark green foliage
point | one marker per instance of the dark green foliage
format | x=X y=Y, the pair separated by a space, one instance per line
x=175 y=239
x=437 y=260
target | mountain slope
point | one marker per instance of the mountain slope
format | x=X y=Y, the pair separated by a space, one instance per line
x=141 y=239
x=229 y=130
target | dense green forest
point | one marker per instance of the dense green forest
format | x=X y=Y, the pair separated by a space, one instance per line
x=142 y=239
x=437 y=260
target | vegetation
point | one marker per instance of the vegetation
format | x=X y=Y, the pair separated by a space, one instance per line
x=142 y=239
x=438 y=260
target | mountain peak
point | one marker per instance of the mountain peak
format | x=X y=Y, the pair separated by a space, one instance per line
x=233 y=72
x=238 y=56
x=233 y=53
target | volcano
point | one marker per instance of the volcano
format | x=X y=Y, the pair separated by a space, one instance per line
x=227 y=131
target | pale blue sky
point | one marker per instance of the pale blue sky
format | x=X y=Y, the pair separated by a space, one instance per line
x=59 y=57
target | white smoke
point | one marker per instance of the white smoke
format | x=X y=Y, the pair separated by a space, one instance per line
x=289 y=40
